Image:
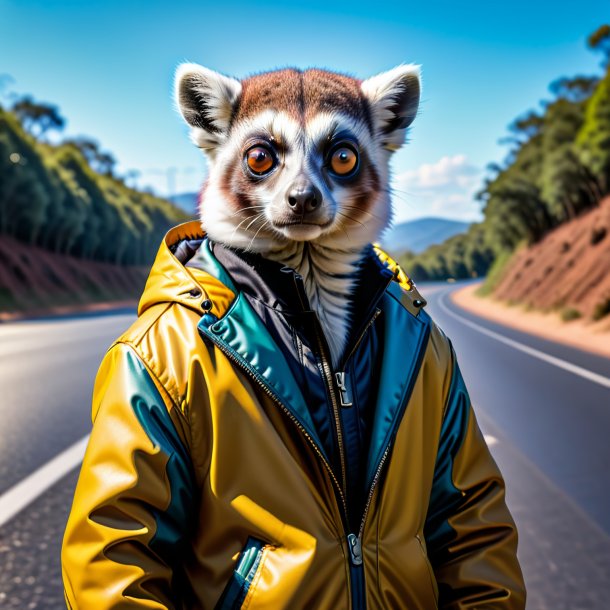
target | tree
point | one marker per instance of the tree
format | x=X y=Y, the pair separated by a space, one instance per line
x=575 y=89
x=100 y=161
x=25 y=192
x=106 y=164
x=600 y=41
x=567 y=185
x=593 y=140
x=38 y=118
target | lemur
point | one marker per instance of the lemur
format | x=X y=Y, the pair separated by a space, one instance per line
x=298 y=169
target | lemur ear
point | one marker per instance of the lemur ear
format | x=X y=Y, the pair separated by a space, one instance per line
x=394 y=99
x=206 y=100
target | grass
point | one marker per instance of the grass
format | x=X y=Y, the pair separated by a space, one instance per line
x=601 y=309
x=570 y=313
x=495 y=274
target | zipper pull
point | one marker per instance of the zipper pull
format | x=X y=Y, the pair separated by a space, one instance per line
x=341 y=379
x=355 y=549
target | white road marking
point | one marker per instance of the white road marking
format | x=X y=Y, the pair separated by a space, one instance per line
x=26 y=491
x=490 y=440
x=558 y=362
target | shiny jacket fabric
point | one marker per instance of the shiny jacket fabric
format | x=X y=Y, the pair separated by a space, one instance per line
x=208 y=483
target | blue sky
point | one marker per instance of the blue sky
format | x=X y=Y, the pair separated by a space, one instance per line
x=109 y=67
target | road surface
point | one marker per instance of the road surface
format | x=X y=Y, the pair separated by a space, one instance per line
x=546 y=426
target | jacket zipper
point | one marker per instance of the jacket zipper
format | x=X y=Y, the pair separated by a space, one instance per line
x=372 y=490
x=374 y=483
x=344 y=394
x=356 y=545
x=327 y=373
x=354 y=542
x=333 y=399
x=341 y=377
x=368 y=325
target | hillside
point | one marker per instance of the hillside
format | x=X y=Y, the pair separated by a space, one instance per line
x=67 y=199
x=417 y=235
x=35 y=281
x=72 y=232
x=568 y=270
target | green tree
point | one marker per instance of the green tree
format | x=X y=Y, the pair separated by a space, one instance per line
x=593 y=140
x=38 y=118
x=600 y=41
x=25 y=191
x=575 y=89
x=100 y=161
x=567 y=185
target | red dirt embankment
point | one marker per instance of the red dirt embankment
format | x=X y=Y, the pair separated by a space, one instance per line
x=583 y=334
x=564 y=275
x=567 y=270
x=34 y=281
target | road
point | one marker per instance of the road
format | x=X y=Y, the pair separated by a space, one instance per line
x=546 y=426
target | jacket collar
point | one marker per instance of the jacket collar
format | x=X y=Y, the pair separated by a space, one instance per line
x=274 y=284
x=171 y=281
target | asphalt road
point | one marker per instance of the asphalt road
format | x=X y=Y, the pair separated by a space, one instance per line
x=47 y=369
x=546 y=427
x=559 y=420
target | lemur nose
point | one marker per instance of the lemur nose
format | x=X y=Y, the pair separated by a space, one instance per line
x=303 y=197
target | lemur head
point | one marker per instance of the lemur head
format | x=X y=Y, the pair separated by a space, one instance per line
x=297 y=155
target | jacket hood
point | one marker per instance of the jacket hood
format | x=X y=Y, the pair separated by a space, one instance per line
x=171 y=281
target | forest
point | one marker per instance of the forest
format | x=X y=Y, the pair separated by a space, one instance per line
x=68 y=197
x=557 y=167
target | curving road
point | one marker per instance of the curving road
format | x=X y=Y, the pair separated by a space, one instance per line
x=545 y=410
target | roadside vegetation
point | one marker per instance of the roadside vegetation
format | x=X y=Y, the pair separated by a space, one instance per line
x=557 y=168
x=67 y=197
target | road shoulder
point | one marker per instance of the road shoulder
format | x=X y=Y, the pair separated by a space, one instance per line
x=62 y=311
x=587 y=336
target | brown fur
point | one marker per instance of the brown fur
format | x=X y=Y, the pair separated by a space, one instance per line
x=302 y=94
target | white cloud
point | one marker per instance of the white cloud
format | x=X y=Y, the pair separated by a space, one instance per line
x=445 y=188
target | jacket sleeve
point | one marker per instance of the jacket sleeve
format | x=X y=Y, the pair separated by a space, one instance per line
x=133 y=501
x=470 y=534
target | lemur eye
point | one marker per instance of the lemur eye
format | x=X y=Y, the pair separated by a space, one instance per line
x=260 y=160
x=343 y=160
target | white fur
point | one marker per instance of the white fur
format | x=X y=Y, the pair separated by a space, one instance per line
x=218 y=91
x=327 y=293
x=382 y=91
x=320 y=256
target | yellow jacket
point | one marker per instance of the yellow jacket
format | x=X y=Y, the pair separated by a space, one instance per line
x=203 y=485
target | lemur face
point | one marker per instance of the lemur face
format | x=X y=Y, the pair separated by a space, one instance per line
x=297 y=155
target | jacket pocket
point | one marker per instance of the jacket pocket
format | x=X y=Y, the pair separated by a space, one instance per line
x=246 y=568
x=433 y=582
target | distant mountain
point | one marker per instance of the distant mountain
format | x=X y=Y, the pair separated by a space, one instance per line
x=186 y=201
x=417 y=235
